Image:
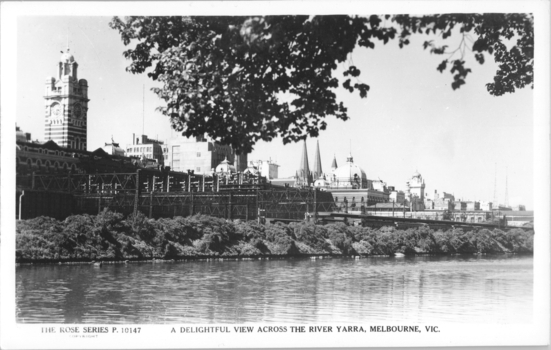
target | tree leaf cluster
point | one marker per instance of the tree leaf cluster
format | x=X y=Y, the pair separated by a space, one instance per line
x=224 y=76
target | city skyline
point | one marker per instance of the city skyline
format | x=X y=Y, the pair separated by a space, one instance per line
x=411 y=120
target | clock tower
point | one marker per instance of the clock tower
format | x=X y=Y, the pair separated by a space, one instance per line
x=66 y=99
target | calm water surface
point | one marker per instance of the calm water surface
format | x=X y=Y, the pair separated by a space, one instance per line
x=421 y=289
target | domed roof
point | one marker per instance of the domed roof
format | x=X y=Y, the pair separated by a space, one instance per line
x=321 y=182
x=67 y=57
x=20 y=136
x=225 y=167
x=349 y=171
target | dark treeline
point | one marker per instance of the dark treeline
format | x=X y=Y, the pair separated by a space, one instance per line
x=111 y=236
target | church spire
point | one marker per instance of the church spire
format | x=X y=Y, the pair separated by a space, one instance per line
x=304 y=170
x=334 y=164
x=317 y=163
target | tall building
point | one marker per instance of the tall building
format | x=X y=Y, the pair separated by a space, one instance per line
x=416 y=192
x=241 y=162
x=66 y=101
x=198 y=155
x=144 y=147
x=416 y=186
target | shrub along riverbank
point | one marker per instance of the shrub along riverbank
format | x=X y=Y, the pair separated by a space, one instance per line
x=110 y=236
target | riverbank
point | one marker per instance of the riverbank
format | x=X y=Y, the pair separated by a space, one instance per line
x=111 y=237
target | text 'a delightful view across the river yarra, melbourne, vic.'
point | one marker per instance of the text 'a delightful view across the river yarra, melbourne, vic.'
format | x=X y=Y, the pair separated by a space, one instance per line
x=94 y=331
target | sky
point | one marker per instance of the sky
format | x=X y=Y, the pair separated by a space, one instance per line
x=465 y=142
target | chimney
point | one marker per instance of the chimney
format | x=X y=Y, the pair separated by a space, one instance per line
x=133 y=138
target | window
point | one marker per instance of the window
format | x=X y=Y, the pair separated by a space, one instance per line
x=198 y=154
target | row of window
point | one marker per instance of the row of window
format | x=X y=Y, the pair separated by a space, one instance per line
x=51 y=152
x=76 y=90
x=370 y=198
x=175 y=150
x=140 y=149
x=71 y=121
x=176 y=166
x=39 y=163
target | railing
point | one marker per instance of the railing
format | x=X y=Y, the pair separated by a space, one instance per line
x=143 y=180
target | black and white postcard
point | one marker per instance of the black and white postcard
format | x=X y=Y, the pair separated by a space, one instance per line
x=275 y=174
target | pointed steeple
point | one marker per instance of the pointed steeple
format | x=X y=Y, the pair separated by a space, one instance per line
x=334 y=164
x=317 y=173
x=304 y=170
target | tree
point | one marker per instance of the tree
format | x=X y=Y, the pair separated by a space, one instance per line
x=223 y=76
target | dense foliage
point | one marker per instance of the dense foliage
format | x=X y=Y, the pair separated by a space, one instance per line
x=111 y=236
x=223 y=75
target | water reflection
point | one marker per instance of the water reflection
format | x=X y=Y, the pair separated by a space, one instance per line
x=421 y=289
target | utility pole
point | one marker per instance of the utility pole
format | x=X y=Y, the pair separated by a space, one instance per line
x=506 y=189
x=495 y=184
x=143 y=109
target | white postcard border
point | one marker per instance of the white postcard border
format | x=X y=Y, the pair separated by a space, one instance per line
x=16 y=335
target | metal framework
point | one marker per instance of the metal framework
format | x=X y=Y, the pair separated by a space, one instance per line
x=167 y=194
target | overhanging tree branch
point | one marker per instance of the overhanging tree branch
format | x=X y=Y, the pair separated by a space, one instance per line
x=222 y=75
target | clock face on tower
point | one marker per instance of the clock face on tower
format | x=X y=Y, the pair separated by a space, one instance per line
x=77 y=111
x=56 y=110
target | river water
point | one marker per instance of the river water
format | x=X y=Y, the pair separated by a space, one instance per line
x=465 y=289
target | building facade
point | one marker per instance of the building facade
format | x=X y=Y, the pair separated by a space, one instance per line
x=264 y=168
x=241 y=161
x=396 y=196
x=416 y=192
x=146 y=148
x=113 y=149
x=48 y=157
x=66 y=105
x=443 y=201
x=472 y=205
x=197 y=155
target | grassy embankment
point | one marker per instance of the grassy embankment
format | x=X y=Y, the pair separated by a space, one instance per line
x=110 y=236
